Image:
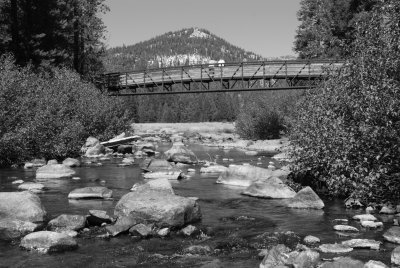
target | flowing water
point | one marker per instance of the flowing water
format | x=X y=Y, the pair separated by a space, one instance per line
x=224 y=209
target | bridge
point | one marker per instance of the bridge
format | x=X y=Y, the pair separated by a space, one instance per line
x=226 y=77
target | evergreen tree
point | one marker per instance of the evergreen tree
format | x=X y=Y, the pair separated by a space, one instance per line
x=56 y=32
x=327 y=27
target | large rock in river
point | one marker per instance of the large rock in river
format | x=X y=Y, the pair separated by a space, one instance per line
x=95 y=192
x=270 y=188
x=244 y=175
x=306 y=198
x=93 y=147
x=160 y=168
x=67 y=222
x=395 y=256
x=161 y=185
x=54 y=171
x=159 y=207
x=179 y=153
x=24 y=206
x=154 y=165
x=392 y=234
x=13 y=228
x=71 y=162
x=46 y=241
x=32 y=187
x=213 y=169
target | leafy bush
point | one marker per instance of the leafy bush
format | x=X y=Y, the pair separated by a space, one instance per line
x=264 y=115
x=51 y=114
x=346 y=134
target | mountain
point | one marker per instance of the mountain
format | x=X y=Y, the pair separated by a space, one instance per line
x=183 y=47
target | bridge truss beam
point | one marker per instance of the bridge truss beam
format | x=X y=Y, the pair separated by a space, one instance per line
x=231 y=77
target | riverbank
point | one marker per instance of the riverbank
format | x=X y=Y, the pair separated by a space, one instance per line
x=213 y=134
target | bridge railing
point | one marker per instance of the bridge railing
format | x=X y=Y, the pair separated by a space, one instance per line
x=206 y=73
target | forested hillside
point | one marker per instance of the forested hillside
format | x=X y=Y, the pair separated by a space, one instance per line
x=187 y=46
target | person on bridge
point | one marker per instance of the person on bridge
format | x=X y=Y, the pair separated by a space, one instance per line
x=211 y=66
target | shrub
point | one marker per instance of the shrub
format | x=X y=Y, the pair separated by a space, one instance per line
x=51 y=114
x=264 y=115
x=346 y=134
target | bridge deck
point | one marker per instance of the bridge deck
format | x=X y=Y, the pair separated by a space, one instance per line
x=224 y=73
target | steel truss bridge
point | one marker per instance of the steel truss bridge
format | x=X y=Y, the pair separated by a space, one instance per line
x=227 y=77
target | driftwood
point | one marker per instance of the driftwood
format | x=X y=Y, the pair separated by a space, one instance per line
x=115 y=142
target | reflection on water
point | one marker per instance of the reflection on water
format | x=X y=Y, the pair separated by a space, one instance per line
x=222 y=206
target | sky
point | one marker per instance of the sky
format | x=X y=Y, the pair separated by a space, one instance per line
x=265 y=27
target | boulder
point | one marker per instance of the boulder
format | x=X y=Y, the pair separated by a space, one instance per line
x=154 y=165
x=365 y=217
x=304 y=259
x=90 y=142
x=163 y=232
x=343 y=262
x=276 y=256
x=162 y=185
x=71 y=162
x=95 y=192
x=32 y=187
x=353 y=203
x=375 y=264
x=98 y=217
x=159 y=207
x=345 y=228
x=24 y=206
x=96 y=150
x=306 y=198
x=46 y=241
x=179 y=153
x=392 y=235
x=123 y=224
x=362 y=243
x=213 y=169
x=371 y=224
x=11 y=229
x=387 y=210
x=311 y=240
x=52 y=162
x=335 y=248
x=93 y=147
x=54 y=171
x=244 y=175
x=67 y=222
x=35 y=163
x=143 y=230
x=369 y=210
x=271 y=188
x=395 y=256
x=189 y=230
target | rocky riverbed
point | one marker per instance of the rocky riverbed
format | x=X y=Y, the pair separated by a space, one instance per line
x=215 y=206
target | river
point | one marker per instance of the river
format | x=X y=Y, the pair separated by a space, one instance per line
x=228 y=213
